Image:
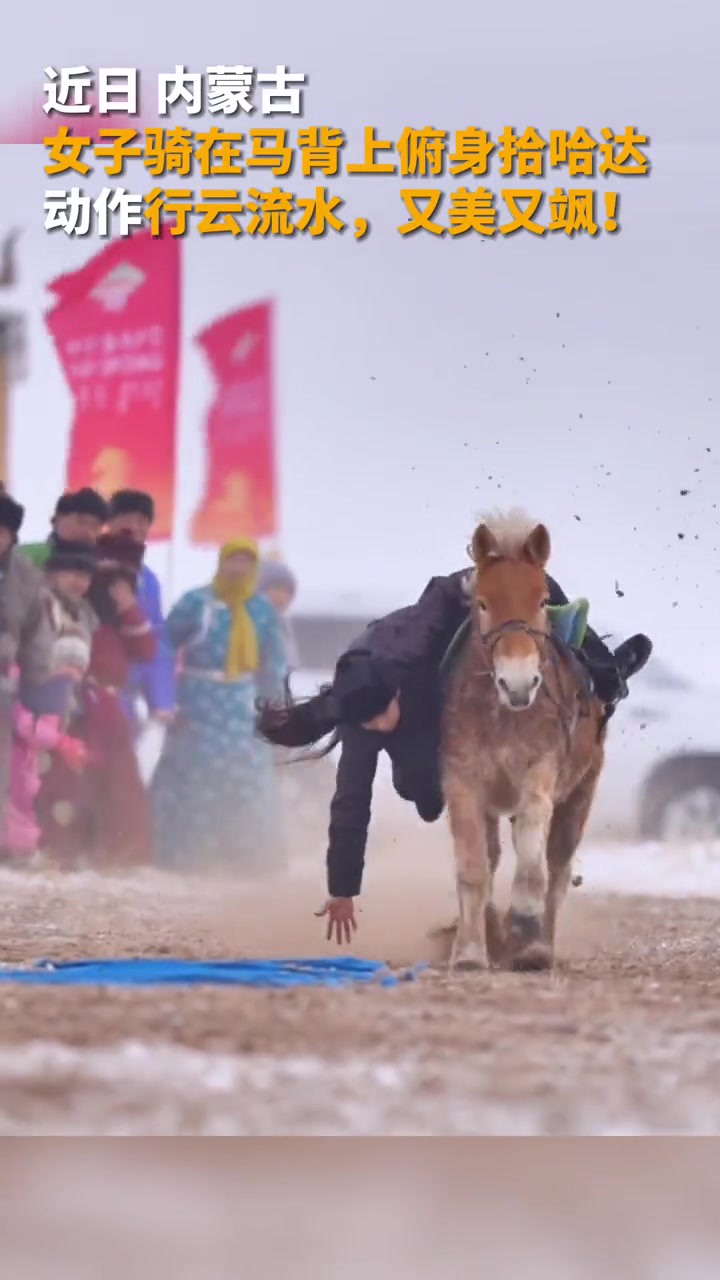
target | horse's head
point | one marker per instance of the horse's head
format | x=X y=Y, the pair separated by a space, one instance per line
x=510 y=596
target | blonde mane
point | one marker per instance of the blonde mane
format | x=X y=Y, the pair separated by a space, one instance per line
x=510 y=529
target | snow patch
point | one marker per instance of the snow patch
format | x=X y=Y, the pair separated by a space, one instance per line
x=675 y=871
x=131 y=1089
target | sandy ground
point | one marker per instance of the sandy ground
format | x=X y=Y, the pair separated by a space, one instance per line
x=623 y=1037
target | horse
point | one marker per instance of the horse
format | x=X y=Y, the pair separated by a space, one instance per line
x=523 y=736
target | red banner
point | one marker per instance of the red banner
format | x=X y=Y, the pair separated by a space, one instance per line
x=29 y=123
x=240 y=482
x=116 y=328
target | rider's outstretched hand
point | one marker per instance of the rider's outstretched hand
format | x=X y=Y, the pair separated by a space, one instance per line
x=341 y=919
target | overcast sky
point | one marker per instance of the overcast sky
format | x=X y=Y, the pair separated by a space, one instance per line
x=423 y=380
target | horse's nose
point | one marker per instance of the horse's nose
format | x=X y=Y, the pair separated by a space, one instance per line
x=518 y=693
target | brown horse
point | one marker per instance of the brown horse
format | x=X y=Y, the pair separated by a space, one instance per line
x=523 y=736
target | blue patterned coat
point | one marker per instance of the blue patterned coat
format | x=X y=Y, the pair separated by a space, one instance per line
x=213 y=793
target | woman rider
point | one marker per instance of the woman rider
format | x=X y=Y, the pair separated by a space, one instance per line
x=386 y=695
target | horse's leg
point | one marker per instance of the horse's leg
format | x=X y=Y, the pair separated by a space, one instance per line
x=495 y=937
x=493 y=927
x=466 y=812
x=530 y=828
x=566 y=830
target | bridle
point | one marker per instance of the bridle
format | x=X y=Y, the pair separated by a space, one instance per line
x=553 y=650
x=492 y=638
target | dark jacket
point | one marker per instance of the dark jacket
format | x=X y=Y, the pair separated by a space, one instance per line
x=415 y=640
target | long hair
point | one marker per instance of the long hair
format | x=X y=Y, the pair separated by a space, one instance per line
x=299 y=723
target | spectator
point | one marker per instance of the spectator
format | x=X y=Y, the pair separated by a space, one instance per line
x=79 y=517
x=280 y=586
x=38 y=741
x=26 y=632
x=69 y=572
x=213 y=792
x=107 y=819
x=133 y=512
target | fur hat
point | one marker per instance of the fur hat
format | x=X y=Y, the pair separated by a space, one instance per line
x=132 y=502
x=119 y=551
x=84 y=502
x=65 y=555
x=12 y=513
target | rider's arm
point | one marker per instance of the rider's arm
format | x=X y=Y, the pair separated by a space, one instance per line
x=350 y=812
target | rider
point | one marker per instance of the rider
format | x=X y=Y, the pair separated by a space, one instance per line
x=386 y=695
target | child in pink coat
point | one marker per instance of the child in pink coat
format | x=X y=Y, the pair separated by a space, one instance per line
x=43 y=713
x=34 y=738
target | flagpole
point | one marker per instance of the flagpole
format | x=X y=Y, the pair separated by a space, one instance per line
x=172 y=554
x=173 y=558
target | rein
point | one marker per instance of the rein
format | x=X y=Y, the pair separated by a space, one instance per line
x=491 y=638
x=550 y=648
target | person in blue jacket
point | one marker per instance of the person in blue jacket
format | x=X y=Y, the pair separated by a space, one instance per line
x=132 y=511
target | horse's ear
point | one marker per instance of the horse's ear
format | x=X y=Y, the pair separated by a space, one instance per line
x=537 y=546
x=484 y=545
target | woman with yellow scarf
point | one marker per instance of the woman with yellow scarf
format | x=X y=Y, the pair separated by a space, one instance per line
x=213 y=792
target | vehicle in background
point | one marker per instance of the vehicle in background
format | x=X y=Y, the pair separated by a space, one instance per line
x=661 y=779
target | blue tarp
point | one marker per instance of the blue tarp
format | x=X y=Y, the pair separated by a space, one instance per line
x=341 y=972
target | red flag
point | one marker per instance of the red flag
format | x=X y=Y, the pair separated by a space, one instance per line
x=240 y=485
x=116 y=328
x=29 y=123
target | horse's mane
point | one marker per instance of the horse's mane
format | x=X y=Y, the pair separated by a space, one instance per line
x=510 y=529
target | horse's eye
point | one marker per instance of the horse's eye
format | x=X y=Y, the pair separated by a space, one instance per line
x=481 y=606
x=544 y=603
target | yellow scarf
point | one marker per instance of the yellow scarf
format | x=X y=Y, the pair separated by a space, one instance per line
x=243 y=655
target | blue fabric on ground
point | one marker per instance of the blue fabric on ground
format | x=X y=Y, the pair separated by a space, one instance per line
x=341 y=972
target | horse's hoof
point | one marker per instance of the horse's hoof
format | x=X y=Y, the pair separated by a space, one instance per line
x=534 y=958
x=522 y=928
x=468 y=958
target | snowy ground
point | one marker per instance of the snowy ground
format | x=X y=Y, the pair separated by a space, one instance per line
x=687 y=871
x=623 y=1037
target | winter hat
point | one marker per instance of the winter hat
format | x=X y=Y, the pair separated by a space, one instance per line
x=84 y=502
x=363 y=687
x=128 y=502
x=79 y=557
x=12 y=513
x=276 y=576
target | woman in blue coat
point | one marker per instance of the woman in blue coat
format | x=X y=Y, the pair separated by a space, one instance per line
x=213 y=792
